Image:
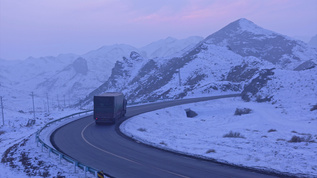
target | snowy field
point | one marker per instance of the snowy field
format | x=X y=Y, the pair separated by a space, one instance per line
x=263 y=139
x=20 y=155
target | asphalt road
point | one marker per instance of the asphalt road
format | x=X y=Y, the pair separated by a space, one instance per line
x=104 y=148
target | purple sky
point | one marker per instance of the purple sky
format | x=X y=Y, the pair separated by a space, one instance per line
x=50 y=27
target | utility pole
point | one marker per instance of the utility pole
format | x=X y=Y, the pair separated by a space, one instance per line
x=2 y=111
x=32 y=94
x=179 y=77
x=48 y=105
x=64 y=102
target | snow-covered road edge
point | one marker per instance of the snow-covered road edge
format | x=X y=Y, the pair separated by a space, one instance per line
x=45 y=134
x=134 y=134
x=24 y=157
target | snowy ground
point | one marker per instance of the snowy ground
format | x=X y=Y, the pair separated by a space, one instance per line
x=265 y=134
x=20 y=156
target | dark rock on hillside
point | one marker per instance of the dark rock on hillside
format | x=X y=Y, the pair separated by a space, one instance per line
x=119 y=72
x=241 y=73
x=195 y=78
x=190 y=113
x=251 y=90
x=241 y=111
x=148 y=80
x=161 y=75
x=305 y=65
x=120 y=75
x=145 y=70
x=134 y=56
x=150 y=76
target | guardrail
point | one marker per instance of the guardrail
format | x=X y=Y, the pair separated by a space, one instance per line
x=61 y=156
x=76 y=163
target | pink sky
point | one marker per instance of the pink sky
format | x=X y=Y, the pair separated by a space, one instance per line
x=50 y=27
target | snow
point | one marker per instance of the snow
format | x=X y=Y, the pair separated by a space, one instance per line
x=266 y=129
x=246 y=25
x=20 y=155
x=293 y=95
x=30 y=161
x=56 y=76
x=294 y=92
x=46 y=133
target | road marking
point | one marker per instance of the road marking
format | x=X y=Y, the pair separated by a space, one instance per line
x=82 y=135
x=121 y=157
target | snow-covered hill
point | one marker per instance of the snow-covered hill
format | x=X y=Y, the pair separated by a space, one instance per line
x=241 y=57
x=71 y=77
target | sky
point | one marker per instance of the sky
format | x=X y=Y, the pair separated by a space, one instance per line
x=50 y=27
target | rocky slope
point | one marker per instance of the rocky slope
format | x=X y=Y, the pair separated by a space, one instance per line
x=241 y=57
x=73 y=76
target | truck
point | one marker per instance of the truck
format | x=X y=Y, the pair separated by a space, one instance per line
x=109 y=107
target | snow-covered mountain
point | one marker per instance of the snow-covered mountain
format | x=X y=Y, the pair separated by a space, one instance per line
x=241 y=57
x=247 y=39
x=238 y=58
x=73 y=76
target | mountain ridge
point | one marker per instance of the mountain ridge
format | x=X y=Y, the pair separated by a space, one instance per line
x=219 y=67
x=273 y=47
x=55 y=75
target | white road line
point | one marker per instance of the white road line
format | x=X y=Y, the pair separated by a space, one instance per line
x=121 y=157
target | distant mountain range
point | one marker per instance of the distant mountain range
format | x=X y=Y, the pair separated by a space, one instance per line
x=76 y=76
x=241 y=57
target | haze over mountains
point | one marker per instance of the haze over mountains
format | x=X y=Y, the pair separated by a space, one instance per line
x=241 y=57
x=74 y=75
x=313 y=41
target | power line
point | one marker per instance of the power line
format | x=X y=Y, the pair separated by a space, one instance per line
x=179 y=77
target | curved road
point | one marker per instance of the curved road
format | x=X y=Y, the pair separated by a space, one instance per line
x=102 y=147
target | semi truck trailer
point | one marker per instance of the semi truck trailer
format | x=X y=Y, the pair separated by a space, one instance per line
x=109 y=107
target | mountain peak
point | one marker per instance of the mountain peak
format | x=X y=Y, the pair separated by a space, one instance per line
x=245 y=23
x=238 y=27
x=245 y=38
